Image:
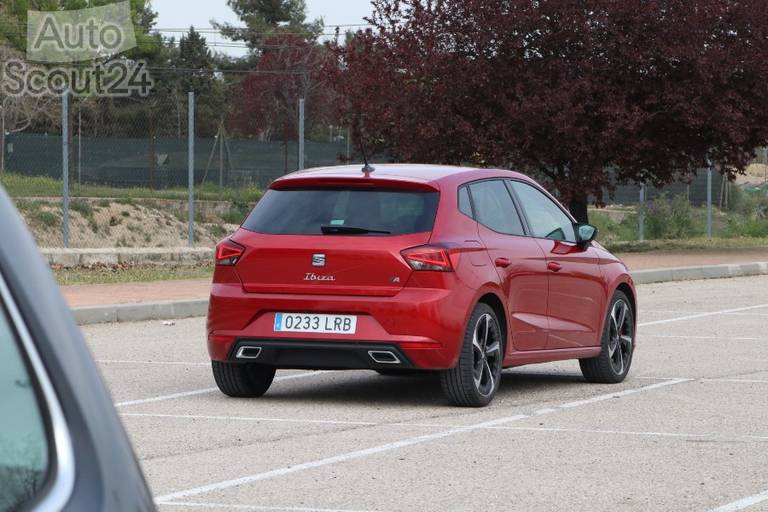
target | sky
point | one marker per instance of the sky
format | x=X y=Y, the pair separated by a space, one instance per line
x=181 y=14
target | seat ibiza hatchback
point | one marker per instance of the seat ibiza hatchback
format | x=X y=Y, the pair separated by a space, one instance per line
x=405 y=268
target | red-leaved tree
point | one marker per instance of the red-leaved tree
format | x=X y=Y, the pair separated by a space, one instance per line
x=289 y=68
x=584 y=94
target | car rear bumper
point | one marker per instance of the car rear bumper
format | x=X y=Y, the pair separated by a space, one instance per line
x=424 y=326
x=314 y=355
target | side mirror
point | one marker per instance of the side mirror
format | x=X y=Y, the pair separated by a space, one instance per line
x=585 y=233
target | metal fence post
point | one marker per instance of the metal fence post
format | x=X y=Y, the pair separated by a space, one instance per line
x=2 y=136
x=65 y=162
x=191 y=176
x=80 y=143
x=641 y=216
x=349 y=144
x=301 y=134
x=709 y=201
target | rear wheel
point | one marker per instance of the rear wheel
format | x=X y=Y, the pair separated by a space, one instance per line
x=612 y=365
x=242 y=380
x=475 y=379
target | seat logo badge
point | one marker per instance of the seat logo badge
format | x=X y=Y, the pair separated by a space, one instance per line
x=311 y=276
x=318 y=260
x=394 y=280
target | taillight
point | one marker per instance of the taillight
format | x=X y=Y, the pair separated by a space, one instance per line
x=428 y=258
x=228 y=252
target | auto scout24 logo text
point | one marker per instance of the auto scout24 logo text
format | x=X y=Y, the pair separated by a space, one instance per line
x=80 y=52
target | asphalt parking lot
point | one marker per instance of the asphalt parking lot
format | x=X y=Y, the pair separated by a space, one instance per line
x=688 y=430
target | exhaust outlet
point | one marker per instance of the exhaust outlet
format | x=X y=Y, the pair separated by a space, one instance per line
x=383 y=357
x=248 y=353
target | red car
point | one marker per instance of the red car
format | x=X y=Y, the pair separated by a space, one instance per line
x=415 y=267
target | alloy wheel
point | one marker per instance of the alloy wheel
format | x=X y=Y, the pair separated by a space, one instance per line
x=486 y=349
x=620 y=337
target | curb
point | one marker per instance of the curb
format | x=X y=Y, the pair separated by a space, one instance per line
x=168 y=310
x=177 y=310
x=127 y=256
x=667 y=275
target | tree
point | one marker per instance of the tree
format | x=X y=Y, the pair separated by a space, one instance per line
x=13 y=20
x=22 y=111
x=291 y=68
x=583 y=94
x=266 y=18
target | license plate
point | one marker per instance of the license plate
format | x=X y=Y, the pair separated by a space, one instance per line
x=324 y=324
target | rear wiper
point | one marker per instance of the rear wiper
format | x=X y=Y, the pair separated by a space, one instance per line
x=349 y=230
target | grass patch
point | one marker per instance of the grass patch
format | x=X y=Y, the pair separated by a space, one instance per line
x=82 y=207
x=237 y=212
x=130 y=274
x=41 y=186
x=45 y=218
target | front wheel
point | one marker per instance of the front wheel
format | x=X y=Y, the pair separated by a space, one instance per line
x=618 y=344
x=475 y=379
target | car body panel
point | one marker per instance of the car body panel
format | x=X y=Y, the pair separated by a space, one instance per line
x=548 y=315
x=524 y=284
x=108 y=476
x=576 y=302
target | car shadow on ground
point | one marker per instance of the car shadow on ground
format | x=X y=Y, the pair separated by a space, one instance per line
x=370 y=388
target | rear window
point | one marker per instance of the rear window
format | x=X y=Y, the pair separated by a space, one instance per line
x=305 y=211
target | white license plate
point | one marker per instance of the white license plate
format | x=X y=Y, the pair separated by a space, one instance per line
x=325 y=324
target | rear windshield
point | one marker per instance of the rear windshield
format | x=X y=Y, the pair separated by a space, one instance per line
x=305 y=211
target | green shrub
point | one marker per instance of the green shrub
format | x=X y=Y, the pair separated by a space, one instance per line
x=45 y=218
x=670 y=218
x=610 y=230
x=237 y=212
x=82 y=207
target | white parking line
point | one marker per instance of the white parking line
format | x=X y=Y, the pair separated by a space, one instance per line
x=206 y=390
x=701 y=315
x=719 y=338
x=254 y=419
x=226 y=484
x=169 y=363
x=743 y=503
x=720 y=437
x=672 y=311
x=166 y=397
x=739 y=381
x=725 y=438
x=222 y=506
x=726 y=379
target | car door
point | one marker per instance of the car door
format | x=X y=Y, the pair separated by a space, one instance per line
x=62 y=446
x=519 y=261
x=576 y=292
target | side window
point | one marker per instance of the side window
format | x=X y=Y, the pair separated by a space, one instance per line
x=465 y=205
x=547 y=220
x=24 y=450
x=494 y=207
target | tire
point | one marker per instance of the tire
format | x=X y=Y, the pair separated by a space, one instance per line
x=242 y=380
x=482 y=354
x=618 y=344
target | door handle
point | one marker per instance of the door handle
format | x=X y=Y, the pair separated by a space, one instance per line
x=554 y=266
x=503 y=262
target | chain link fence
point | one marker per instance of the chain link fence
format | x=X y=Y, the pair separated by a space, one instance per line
x=128 y=169
x=128 y=163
